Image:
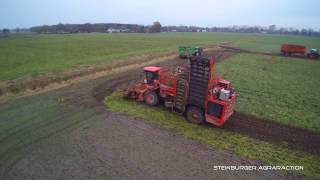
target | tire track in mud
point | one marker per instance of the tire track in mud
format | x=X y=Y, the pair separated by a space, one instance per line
x=266 y=130
x=267 y=53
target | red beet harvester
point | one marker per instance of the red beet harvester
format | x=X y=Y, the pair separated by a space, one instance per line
x=191 y=89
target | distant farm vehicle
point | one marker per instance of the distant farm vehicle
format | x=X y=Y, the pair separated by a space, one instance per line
x=188 y=52
x=192 y=90
x=313 y=54
x=290 y=49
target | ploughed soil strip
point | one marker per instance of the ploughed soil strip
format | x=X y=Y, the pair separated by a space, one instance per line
x=267 y=130
x=239 y=50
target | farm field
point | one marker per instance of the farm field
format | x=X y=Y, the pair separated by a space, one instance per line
x=121 y=90
x=32 y=55
x=70 y=132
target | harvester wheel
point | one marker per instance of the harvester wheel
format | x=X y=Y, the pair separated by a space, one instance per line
x=195 y=115
x=151 y=98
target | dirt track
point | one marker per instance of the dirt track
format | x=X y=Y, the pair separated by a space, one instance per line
x=227 y=47
x=266 y=130
x=114 y=146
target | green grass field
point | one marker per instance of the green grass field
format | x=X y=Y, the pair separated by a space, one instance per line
x=217 y=137
x=285 y=90
x=28 y=122
x=39 y=54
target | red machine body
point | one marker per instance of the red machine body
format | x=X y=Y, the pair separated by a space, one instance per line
x=288 y=49
x=149 y=84
x=192 y=90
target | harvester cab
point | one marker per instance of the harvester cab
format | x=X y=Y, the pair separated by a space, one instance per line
x=147 y=89
x=152 y=74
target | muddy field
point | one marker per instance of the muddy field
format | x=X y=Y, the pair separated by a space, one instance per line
x=115 y=146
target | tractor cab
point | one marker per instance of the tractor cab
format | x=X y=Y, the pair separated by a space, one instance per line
x=188 y=52
x=152 y=74
x=196 y=51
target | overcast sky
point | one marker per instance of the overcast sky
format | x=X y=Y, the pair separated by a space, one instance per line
x=283 y=13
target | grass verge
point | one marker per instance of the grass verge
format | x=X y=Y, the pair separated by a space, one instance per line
x=282 y=89
x=28 y=122
x=218 y=138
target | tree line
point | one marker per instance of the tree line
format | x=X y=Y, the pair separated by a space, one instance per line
x=272 y=29
x=156 y=27
x=98 y=27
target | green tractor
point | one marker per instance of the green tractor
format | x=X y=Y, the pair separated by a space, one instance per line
x=313 y=54
x=188 y=52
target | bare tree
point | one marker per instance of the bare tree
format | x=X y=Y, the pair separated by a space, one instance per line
x=5 y=31
x=156 y=27
x=272 y=28
x=17 y=30
x=60 y=28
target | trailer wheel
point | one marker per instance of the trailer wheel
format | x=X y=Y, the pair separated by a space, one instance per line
x=151 y=98
x=195 y=115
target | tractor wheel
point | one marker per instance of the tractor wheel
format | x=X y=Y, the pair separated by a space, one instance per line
x=151 y=98
x=195 y=115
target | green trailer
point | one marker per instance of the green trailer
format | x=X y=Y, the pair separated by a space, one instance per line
x=187 y=52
